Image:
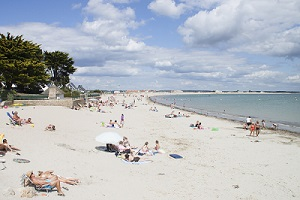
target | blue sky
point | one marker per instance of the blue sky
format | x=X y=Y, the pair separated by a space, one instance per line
x=166 y=44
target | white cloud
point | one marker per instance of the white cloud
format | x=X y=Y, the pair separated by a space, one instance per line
x=111 y=25
x=164 y=63
x=107 y=55
x=260 y=27
x=263 y=75
x=167 y=8
x=208 y=28
x=294 y=79
x=76 y=6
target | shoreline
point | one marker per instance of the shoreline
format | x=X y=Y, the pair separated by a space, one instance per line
x=218 y=116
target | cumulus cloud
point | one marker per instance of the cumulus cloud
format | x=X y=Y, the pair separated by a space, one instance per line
x=110 y=23
x=167 y=8
x=108 y=56
x=249 y=26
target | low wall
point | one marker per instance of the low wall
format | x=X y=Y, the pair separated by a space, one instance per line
x=66 y=102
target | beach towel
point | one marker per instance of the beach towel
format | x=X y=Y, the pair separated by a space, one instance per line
x=137 y=163
x=21 y=160
x=176 y=156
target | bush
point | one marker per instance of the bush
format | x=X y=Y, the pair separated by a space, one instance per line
x=7 y=95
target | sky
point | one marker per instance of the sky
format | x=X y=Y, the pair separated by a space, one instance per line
x=167 y=44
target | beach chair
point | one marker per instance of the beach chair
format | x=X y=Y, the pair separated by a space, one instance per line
x=11 y=120
x=25 y=181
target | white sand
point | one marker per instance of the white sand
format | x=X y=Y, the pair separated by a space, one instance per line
x=224 y=164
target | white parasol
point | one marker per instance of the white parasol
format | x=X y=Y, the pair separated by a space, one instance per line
x=109 y=138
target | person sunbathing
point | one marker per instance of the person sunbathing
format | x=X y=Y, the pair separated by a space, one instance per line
x=145 y=150
x=157 y=148
x=28 y=121
x=6 y=147
x=17 y=119
x=122 y=148
x=44 y=182
x=51 y=176
x=131 y=158
x=50 y=127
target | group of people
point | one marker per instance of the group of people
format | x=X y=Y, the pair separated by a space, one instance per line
x=115 y=124
x=197 y=125
x=153 y=109
x=253 y=127
x=173 y=115
x=18 y=120
x=129 y=152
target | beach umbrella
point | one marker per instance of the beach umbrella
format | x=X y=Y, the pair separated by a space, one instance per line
x=109 y=138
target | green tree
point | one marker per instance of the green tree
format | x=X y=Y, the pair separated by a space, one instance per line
x=21 y=64
x=59 y=66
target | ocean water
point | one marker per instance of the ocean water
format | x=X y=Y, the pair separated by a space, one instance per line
x=282 y=109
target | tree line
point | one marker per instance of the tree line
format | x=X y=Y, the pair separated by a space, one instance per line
x=26 y=68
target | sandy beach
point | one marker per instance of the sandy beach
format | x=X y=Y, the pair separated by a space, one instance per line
x=219 y=162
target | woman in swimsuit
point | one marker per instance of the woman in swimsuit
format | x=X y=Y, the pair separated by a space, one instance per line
x=257 y=128
x=51 y=176
x=252 y=129
x=43 y=182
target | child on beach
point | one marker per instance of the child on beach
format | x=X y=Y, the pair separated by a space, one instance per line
x=145 y=150
x=122 y=120
x=263 y=123
x=157 y=148
x=252 y=129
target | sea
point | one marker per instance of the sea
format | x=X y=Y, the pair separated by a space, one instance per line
x=274 y=108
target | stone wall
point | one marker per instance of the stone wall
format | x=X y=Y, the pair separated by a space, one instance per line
x=66 y=102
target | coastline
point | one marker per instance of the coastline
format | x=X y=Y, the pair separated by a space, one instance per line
x=220 y=164
x=228 y=117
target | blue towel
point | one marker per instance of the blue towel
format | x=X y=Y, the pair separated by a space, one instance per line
x=176 y=156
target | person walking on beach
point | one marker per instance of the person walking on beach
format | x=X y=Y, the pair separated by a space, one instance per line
x=263 y=123
x=122 y=120
x=248 y=122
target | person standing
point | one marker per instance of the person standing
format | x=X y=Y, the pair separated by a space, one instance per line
x=257 y=128
x=248 y=122
x=263 y=123
x=122 y=120
x=252 y=129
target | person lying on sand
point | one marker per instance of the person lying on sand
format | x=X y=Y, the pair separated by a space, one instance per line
x=28 y=121
x=50 y=175
x=50 y=127
x=6 y=147
x=42 y=182
x=131 y=158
